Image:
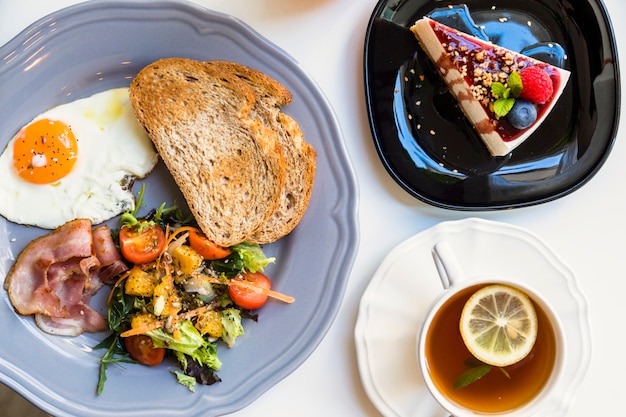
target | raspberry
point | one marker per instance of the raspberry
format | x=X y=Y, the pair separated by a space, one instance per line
x=536 y=85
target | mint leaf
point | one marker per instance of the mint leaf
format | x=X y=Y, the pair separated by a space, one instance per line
x=477 y=369
x=498 y=89
x=473 y=362
x=515 y=84
x=471 y=375
x=503 y=106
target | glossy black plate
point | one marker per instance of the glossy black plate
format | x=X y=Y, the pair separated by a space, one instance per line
x=427 y=145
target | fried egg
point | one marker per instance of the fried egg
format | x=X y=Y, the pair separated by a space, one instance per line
x=76 y=160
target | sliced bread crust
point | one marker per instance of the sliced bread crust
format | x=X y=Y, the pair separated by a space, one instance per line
x=300 y=156
x=227 y=162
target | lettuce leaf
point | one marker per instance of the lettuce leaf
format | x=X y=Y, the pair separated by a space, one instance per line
x=186 y=380
x=190 y=343
x=231 y=326
x=245 y=257
x=253 y=257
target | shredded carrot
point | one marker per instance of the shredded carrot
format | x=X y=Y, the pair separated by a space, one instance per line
x=117 y=283
x=143 y=329
x=170 y=236
x=158 y=324
x=274 y=294
x=179 y=231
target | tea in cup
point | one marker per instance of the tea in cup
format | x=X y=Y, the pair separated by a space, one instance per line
x=466 y=386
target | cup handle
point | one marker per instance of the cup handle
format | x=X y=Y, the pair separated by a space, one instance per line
x=447 y=264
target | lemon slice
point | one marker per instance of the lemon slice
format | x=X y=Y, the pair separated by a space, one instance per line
x=499 y=325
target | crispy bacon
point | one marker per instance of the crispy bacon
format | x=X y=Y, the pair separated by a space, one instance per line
x=55 y=276
x=111 y=263
x=82 y=319
x=43 y=265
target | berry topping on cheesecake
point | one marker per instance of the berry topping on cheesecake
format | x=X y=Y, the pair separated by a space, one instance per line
x=537 y=85
x=504 y=94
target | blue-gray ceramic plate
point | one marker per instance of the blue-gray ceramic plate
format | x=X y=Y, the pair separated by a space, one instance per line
x=450 y=167
x=95 y=46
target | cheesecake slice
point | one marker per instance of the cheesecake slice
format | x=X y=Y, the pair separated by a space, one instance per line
x=503 y=98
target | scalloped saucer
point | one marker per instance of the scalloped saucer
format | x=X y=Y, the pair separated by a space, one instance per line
x=402 y=289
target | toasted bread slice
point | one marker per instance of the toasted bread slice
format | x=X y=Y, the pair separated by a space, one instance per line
x=227 y=163
x=300 y=156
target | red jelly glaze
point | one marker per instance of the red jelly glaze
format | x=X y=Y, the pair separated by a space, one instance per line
x=464 y=52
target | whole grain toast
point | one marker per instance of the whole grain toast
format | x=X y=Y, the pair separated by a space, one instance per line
x=227 y=162
x=299 y=156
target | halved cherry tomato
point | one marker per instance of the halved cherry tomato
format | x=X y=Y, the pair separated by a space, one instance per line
x=141 y=349
x=246 y=297
x=142 y=245
x=209 y=250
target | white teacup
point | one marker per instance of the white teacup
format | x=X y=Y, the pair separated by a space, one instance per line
x=519 y=390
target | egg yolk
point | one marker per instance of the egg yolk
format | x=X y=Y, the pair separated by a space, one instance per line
x=44 y=151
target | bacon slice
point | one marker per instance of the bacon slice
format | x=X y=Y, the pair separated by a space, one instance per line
x=55 y=276
x=111 y=263
x=82 y=319
x=33 y=280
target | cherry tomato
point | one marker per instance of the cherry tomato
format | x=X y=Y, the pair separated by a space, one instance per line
x=246 y=297
x=142 y=247
x=141 y=349
x=209 y=250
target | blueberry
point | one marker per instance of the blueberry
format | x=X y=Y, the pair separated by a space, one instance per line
x=522 y=115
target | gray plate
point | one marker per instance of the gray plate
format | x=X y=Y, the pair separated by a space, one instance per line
x=94 y=46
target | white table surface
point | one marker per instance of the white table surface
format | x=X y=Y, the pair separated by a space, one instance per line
x=587 y=229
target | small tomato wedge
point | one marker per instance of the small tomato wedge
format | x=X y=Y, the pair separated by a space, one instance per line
x=141 y=349
x=209 y=250
x=141 y=245
x=244 y=295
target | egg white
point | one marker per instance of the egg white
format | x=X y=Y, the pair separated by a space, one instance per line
x=112 y=146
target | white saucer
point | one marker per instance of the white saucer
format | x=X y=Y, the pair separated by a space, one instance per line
x=398 y=296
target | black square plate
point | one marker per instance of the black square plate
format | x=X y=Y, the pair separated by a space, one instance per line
x=432 y=151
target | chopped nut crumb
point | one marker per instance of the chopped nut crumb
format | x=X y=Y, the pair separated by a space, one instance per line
x=482 y=67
